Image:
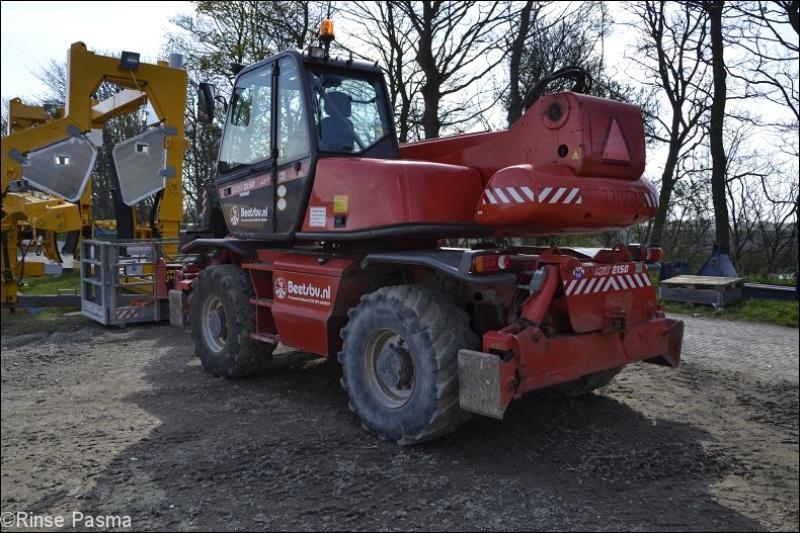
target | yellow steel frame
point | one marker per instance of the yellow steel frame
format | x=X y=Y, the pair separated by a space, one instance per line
x=164 y=87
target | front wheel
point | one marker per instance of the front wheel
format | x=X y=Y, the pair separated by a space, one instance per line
x=222 y=319
x=400 y=363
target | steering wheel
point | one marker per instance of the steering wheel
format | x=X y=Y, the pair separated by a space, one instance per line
x=581 y=78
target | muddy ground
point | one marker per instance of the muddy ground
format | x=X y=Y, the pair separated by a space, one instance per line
x=122 y=428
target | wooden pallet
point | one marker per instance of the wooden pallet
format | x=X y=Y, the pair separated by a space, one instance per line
x=711 y=290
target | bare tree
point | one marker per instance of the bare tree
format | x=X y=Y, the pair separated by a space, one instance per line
x=4 y=118
x=457 y=47
x=243 y=32
x=689 y=231
x=768 y=34
x=714 y=10
x=523 y=20
x=672 y=53
x=763 y=231
x=744 y=169
x=545 y=36
x=778 y=229
x=386 y=31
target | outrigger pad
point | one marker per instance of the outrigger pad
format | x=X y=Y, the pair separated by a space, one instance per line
x=483 y=381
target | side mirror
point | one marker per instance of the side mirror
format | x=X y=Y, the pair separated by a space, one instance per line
x=205 y=103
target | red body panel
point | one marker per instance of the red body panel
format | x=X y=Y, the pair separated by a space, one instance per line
x=591 y=137
x=587 y=316
x=541 y=201
x=372 y=193
x=572 y=164
x=304 y=308
x=302 y=302
x=597 y=293
x=549 y=361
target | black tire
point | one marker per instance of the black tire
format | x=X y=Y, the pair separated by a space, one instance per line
x=585 y=384
x=400 y=363
x=222 y=319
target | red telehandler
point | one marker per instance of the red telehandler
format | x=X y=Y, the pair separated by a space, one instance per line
x=336 y=246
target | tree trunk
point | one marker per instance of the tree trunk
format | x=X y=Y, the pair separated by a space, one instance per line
x=427 y=62
x=716 y=141
x=515 y=63
x=667 y=186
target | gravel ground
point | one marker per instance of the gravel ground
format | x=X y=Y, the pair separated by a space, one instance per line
x=121 y=429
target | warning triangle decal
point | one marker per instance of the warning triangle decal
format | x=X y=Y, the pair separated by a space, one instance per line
x=615 y=147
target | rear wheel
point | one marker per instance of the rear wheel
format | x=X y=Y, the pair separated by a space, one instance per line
x=222 y=319
x=400 y=363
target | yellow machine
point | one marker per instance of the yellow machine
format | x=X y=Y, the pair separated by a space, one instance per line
x=23 y=116
x=47 y=157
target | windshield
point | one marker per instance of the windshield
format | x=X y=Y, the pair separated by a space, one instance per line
x=248 y=132
x=350 y=114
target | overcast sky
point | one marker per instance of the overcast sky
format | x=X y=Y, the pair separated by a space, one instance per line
x=33 y=33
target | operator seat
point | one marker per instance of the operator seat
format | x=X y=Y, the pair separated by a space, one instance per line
x=336 y=129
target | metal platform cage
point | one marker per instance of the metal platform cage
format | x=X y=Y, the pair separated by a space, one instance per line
x=118 y=281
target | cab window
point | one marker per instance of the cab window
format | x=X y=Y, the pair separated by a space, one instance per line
x=247 y=137
x=292 y=124
x=350 y=115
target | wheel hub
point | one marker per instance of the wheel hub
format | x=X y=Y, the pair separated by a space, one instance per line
x=395 y=367
x=215 y=323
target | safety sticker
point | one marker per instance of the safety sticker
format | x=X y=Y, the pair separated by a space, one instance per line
x=317 y=216
x=340 y=202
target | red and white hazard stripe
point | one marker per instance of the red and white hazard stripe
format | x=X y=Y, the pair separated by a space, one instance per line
x=596 y=285
x=548 y=195
x=562 y=195
x=519 y=195
x=509 y=195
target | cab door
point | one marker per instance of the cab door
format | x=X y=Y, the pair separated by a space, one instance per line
x=293 y=146
x=247 y=164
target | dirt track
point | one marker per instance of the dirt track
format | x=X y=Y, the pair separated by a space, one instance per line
x=115 y=423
